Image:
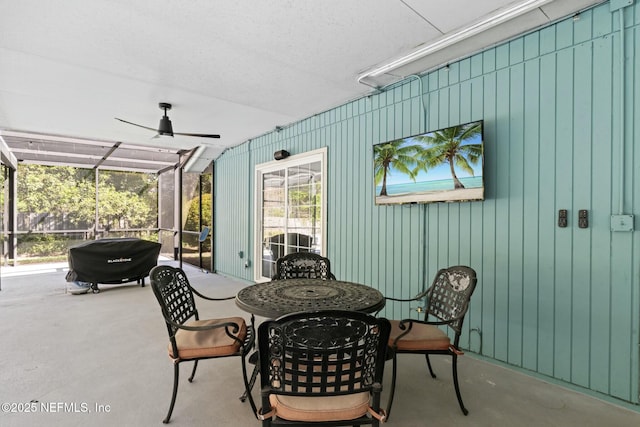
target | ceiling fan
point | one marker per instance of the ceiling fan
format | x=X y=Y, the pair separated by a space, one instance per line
x=165 y=127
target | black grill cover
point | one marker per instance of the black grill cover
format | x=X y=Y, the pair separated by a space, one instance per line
x=112 y=261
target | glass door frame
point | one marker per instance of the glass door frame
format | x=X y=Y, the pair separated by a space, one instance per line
x=275 y=165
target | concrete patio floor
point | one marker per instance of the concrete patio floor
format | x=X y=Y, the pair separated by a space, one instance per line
x=101 y=360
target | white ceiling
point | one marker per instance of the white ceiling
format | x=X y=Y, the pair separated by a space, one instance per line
x=234 y=67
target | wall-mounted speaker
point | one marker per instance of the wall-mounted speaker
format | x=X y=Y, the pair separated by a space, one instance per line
x=281 y=154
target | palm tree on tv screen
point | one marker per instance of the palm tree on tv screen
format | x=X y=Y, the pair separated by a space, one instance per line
x=393 y=155
x=447 y=146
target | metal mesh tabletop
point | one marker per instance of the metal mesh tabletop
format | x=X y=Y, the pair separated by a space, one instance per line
x=279 y=297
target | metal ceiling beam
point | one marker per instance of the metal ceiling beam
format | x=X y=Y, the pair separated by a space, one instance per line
x=106 y=156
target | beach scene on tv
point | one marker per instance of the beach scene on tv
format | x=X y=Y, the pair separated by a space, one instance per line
x=440 y=166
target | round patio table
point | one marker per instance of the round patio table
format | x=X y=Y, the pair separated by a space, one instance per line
x=279 y=297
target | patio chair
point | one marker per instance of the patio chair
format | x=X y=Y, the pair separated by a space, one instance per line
x=322 y=368
x=446 y=303
x=193 y=339
x=306 y=265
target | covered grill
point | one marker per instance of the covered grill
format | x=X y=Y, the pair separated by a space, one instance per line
x=112 y=261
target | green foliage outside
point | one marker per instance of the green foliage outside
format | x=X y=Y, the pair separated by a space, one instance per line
x=41 y=245
x=67 y=195
x=192 y=221
x=2 y=187
x=58 y=191
x=127 y=200
x=305 y=202
x=57 y=198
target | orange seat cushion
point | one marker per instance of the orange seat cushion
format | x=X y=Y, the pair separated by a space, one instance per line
x=420 y=337
x=210 y=342
x=320 y=408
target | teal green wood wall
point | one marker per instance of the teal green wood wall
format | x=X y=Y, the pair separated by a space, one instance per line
x=562 y=302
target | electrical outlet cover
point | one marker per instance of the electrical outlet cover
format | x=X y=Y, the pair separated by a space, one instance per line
x=621 y=222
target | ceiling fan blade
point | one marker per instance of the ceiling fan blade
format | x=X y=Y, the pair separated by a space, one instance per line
x=134 y=124
x=165 y=128
x=201 y=135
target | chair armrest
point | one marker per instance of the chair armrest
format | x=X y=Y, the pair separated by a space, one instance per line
x=403 y=322
x=195 y=291
x=235 y=327
x=230 y=328
x=417 y=297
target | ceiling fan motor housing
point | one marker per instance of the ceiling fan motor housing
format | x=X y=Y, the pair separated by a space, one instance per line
x=165 y=128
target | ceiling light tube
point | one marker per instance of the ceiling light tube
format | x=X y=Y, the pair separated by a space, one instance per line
x=501 y=16
x=194 y=157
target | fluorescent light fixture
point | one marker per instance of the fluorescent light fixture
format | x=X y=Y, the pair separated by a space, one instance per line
x=195 y=163
x=499 y=17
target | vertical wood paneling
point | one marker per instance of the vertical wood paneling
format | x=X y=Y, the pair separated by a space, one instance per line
x=503 y=182
x=531 y=209
x=548 y=213
x=634 y=135
x=370 y=235
x=582 y=27
x=489 y=217
x=581 y=328
x=564 y=194
x=516 y=199
x=563 y=302
x=602 y=193
x=626 y=297
x=340 y=177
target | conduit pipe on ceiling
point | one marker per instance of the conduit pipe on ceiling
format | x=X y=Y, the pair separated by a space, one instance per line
x=622 y=109
x=250 y=246
x=398 y=83
x=501 y=16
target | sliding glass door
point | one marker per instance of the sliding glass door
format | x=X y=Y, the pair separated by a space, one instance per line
x=290 y=213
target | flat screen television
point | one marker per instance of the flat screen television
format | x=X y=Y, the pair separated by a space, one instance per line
x=444 y=165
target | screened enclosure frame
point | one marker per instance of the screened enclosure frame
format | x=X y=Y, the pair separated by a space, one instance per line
x=99 y=157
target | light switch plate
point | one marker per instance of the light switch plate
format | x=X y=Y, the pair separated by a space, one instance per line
x=621 y=222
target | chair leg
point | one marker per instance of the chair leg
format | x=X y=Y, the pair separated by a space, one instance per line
x=248 y=385
x=193 y=373
x=392 y=392
x=433 y=375
x=176 y=376
x=457 y=386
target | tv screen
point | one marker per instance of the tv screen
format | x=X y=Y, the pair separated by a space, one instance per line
x=445 y=165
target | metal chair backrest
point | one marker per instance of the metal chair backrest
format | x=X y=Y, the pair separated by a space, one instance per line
x=322 y=353
x=449 y=295
x=307 y=265
x=174 y=294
